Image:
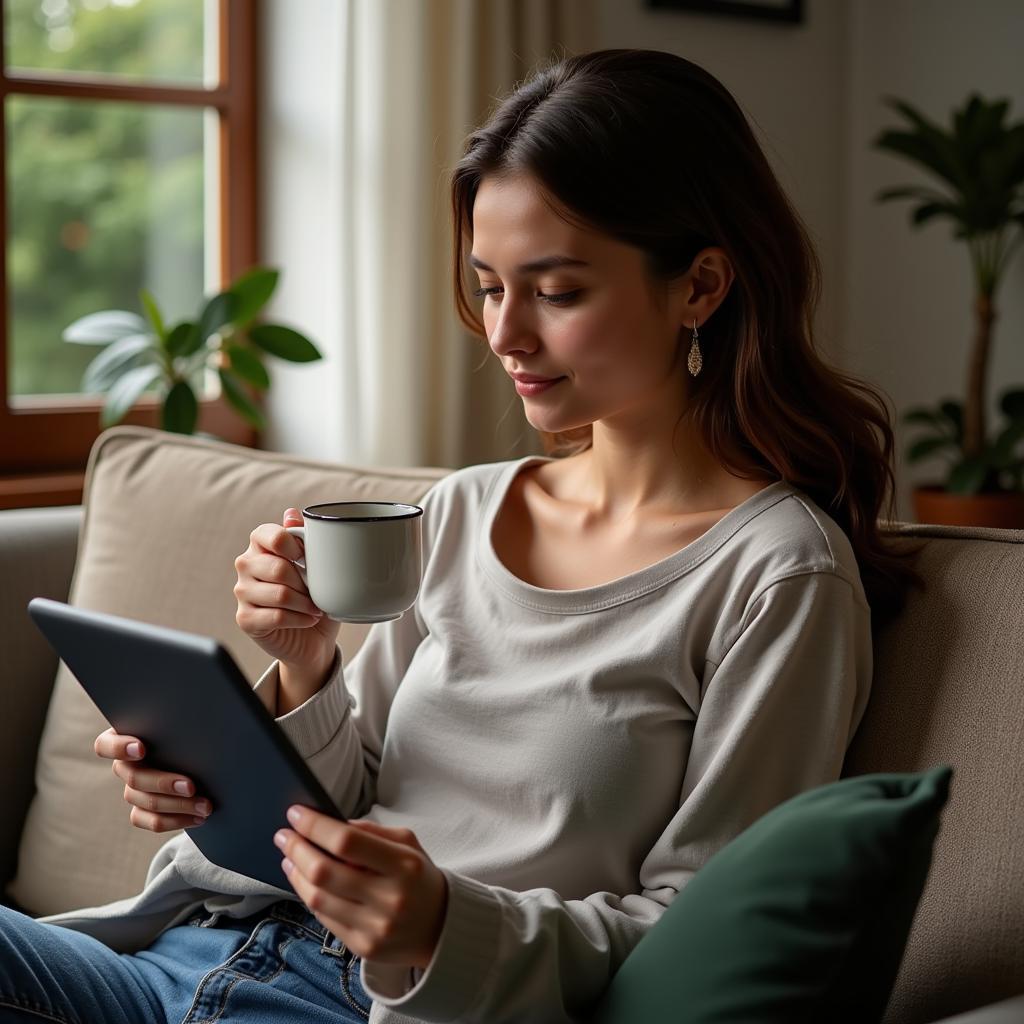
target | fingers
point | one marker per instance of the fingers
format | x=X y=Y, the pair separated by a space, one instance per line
x=113 y=744
x=330 y=876
x=145 y=790
x=284 y=589
x=153 y=803
x=140 y=777
x=332 y=909
x=153 y=811
x=153 y=822
x=276 y=540
x=268 y=568
x=343 y=842
x=160 y=801
x=272 y=596
x=258 y=622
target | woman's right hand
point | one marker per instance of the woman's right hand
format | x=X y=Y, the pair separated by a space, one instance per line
x=160 y=801
x=274 y=606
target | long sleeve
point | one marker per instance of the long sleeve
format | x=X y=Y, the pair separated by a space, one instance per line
x=340 y=730
x=776 y=715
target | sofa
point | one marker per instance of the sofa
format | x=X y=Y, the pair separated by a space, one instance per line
x=162 y=520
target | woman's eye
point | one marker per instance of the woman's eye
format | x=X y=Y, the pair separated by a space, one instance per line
x=563 y=299
x=555 y=300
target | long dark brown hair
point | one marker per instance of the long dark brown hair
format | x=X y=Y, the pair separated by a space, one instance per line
x=652 y=150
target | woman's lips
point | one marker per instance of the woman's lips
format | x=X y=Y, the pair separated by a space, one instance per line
x=536 y=387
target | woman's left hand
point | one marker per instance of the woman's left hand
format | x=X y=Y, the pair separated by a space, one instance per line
x=373 y=887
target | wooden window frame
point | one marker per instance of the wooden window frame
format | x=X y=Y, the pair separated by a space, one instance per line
x=45 y=440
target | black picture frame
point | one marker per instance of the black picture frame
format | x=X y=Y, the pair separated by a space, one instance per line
x=784 y=11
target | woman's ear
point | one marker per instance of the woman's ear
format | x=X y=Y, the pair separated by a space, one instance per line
x=707 y=283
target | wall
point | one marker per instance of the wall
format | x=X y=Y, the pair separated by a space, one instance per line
x=907 y=308
x=789 y=81
x=896 y=302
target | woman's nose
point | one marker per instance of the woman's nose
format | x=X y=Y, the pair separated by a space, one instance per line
x=511 y=331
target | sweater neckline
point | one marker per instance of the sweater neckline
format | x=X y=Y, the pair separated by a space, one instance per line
x=625 y=588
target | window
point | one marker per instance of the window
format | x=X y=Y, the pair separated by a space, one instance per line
x=128 y=157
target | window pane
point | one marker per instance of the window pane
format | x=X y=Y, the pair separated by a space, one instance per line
x=103 y=199
x=160 y=40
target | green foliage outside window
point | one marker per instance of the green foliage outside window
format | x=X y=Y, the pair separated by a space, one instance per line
x=104 y=198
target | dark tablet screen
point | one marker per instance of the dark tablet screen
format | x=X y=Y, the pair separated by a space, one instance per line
x=184 y=696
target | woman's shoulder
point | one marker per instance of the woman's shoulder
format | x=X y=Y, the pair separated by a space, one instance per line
x=791 y=536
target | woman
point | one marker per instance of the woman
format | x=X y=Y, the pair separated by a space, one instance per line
x=623 y=653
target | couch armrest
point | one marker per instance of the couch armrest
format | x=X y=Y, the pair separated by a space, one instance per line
x=37 y=559
x=1009 y=1011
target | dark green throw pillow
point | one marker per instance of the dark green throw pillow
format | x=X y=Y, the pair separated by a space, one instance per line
x=802 y=917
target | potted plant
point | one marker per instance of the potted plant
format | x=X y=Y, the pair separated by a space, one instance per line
x=981 y=165
x=140 y=353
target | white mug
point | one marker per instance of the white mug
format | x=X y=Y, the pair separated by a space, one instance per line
x=363 y=559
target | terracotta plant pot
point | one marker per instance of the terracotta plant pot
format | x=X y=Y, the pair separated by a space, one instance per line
x=1004 y=510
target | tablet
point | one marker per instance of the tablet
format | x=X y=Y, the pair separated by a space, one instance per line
x=184 y=696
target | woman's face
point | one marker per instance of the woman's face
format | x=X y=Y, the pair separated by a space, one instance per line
x=596 y=324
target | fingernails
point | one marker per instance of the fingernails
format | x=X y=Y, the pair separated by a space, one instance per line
x=280 y=839
x=203 y=807
x=181 y=787
x=287 y=866
x=294 y=815
x=134 y=749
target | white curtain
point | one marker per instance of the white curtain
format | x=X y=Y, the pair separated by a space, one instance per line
x=413 y=386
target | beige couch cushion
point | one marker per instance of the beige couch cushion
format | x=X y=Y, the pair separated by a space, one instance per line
x=949 y=687
x=165 y=517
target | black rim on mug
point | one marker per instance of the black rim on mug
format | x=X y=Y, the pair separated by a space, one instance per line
x=410 y=511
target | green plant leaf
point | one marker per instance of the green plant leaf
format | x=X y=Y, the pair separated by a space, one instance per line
x=928 y=210
x=967 y=476
x=183 y=339
x=1009 y=438
x=188 y=367
x=1012 y=403
x=181 y=410
x=928 y=417
x=909 y=192
x=251 y=291
x=236 y=396
x=953 y=411
x=981 y=128
x=216 y=313
x=919 y=151
x=928 y=446
x=103 y=327
x=153 y=312
x=116 y=358
x=126 y=391
x=247 y=365
x=284 y=343
x=928 y=144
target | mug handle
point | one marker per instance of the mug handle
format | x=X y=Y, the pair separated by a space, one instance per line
x=300 y=563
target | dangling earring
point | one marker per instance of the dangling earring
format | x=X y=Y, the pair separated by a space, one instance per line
x=693 y=360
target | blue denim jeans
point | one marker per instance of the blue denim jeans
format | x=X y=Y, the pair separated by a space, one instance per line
x=280 y=965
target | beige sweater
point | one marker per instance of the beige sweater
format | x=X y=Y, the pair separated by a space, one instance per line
x=569 y=758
